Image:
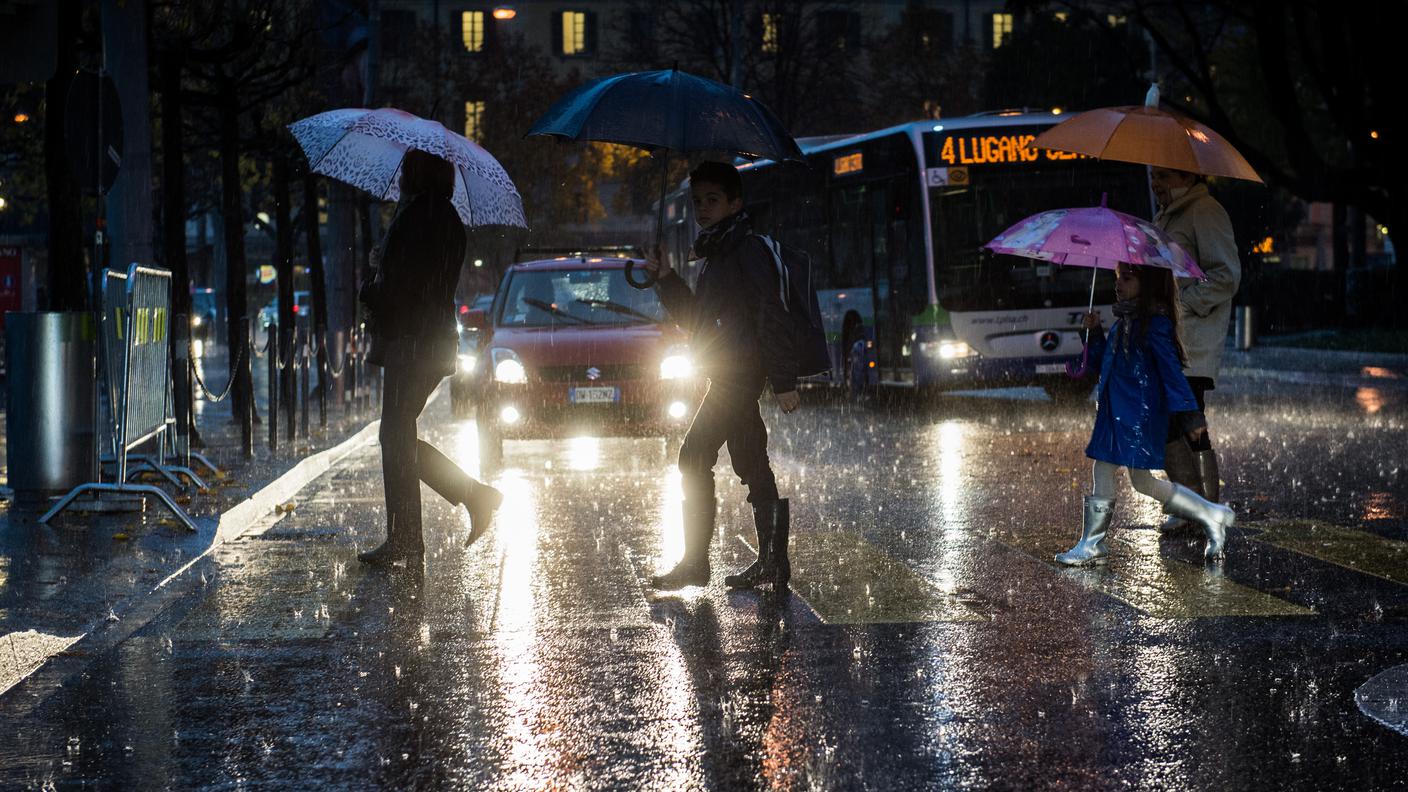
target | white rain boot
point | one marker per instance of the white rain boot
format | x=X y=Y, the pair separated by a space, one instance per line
x=1214 y=517
x=1091 y=547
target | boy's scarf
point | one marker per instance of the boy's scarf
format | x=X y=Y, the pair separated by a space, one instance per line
x=723 y=236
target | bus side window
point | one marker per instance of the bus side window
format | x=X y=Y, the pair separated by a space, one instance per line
x=849 y=243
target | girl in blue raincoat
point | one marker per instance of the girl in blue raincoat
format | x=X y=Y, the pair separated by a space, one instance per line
x=1141 y=386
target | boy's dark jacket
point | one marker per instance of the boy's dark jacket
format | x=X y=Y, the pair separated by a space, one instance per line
x=739 y=329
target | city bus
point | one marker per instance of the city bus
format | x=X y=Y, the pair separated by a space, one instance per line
x=894 y=221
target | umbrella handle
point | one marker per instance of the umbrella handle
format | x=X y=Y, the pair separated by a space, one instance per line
x=650 y=280
x=1075 y=371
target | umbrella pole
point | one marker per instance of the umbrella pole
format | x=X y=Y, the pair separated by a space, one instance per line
x=660 y=214
x=1093 y=272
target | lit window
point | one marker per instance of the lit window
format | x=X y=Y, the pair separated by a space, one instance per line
x=574 y=32
x=770 y=37
x=472 y=30
x=1001 y=28
x=473 y=120
x=1116 y=20
x=1062 y=16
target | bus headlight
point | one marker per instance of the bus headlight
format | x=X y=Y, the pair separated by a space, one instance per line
x=676 y=365
x=467 y=363
x=947 y=349
x=507 y=367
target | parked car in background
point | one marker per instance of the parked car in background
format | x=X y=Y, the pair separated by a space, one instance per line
x=302 y=310
x=205 y=315
x=568 y=346
x=462 y=382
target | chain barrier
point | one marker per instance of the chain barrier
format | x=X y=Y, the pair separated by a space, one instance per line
x=205 y=390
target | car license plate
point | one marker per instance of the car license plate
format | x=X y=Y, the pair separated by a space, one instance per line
x=592 y=395
x=1050 y=368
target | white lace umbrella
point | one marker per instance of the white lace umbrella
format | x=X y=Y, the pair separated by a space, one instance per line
x=364 y=148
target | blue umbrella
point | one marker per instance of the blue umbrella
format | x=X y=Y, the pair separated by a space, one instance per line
x=667 y=111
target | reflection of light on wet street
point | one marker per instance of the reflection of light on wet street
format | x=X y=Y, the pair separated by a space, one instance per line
x=515 y=622
x=1371 y=400
x=946 y=441
x=584 y=453
x=1379 y=506
x=671 y=520
x=1378 y=372
x=466 y=449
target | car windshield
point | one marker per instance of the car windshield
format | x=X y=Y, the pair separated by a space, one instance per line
x=576 y=297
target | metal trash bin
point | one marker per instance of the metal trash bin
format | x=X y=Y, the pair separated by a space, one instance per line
x=51 y=357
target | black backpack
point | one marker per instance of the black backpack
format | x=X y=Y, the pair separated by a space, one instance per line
x=794 y=271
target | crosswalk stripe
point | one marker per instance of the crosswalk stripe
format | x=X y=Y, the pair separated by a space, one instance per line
x=1355 y=550
x=847 y=580
x=1142 y=578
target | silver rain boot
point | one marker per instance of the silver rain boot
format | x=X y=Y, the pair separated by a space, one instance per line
x=1181 y=467
x=1091 y=547
x=1214 y=517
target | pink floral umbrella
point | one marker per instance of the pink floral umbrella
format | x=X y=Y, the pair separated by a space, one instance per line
x=1097 y=237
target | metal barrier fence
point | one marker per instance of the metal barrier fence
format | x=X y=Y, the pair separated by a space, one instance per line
x=135 y=324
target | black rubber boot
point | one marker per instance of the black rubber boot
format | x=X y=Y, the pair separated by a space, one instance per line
x=1181 y=466
x=1209 y=475
x=481 y=504
x=693 y=569
x=781 y=527
x=763 y=570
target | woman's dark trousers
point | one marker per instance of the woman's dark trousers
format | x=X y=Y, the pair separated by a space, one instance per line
x=406 y=461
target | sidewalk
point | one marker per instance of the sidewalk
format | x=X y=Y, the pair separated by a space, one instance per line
x=85 y=570
x=1317 y=366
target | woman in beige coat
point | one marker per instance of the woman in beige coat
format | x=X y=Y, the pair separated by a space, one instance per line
x=1198 y=222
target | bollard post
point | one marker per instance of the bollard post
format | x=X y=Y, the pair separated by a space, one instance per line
x=324 y=366
x=1245 y=327
x=272 y=353
x=307 y=356
x=246 y=369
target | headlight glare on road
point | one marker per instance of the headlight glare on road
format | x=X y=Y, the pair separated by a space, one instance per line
x=509 y=414
x=676 y=366
x=467 y=363
x=947 y=349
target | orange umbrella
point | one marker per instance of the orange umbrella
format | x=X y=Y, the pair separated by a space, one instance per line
x=1149 y=136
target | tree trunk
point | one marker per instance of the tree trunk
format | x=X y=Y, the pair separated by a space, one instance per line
x=173 y=226
x=283 y=263
x=68 y=272
x=317 y=275
x=236 y=300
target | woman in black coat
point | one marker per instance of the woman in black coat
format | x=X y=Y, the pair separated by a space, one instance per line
x=412 y=308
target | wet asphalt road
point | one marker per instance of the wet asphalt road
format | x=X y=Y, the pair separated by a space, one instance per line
x=930 y=641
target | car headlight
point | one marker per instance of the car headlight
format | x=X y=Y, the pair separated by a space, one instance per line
x=196 y=321
x=467 y=363
x=507 y=367
x=676 y=365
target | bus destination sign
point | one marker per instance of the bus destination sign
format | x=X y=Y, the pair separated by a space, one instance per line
x=995 y=149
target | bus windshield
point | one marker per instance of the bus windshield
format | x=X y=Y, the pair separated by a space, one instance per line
x=540 y=298
x=966 y=216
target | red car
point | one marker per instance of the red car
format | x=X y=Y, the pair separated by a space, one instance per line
x=568 y=346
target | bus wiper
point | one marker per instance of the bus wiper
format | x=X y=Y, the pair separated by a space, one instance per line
x=553 y=309
x=616 y=307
